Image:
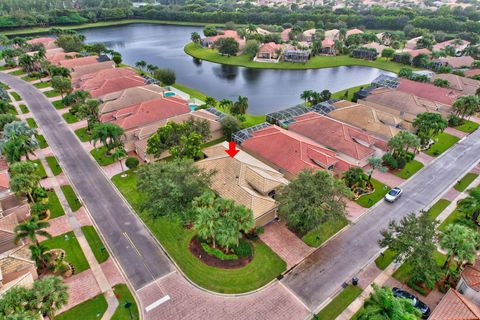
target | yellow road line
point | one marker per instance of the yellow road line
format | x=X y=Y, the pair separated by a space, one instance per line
x=132 y=244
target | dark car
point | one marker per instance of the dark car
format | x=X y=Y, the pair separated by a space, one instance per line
x=422 y=307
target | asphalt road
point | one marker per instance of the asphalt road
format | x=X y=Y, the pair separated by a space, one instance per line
x=323 y=272
x=139 y=255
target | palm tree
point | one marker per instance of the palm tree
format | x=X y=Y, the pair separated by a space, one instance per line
x=118 y=155
x=31 y=229
x=108 y=134
x=89 y=110
x=50 y=295
x=225 y=104
x=338 y=46
x=195 y=37
x=141 y=64
x=466 y=106
x=40 y=255
x=26 y=61
x=471 y=204
x=151 y=68
x=251 y=28
x=18 y=140
x=342 y=34
x=306 y=95
x=209 y=101
x=240 y=106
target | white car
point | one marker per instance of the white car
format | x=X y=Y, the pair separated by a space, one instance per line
x=393 y=194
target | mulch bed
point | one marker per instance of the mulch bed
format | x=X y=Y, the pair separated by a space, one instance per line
x=212 y=261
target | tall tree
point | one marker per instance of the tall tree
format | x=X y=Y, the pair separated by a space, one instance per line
x=18 y=140
x=471 y=204
x=141 y=64
x=429 y=125
x=61 y=84
x=49 y=295
x=195 y=37
x=189 y=146
x=118 y=155
x=466 y=106
x=376 y=163
x=31 y=229
x=240 y=106
x=109 y=134
x=229 y=126
x=89 y=110
x=402 y=143
x=24 y=178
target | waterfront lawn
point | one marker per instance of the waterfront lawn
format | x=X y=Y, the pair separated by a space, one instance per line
x=16 y=96
x=99 y=154
x=323 y=232
x=339 y=303
x=264 y=267
x=95 y=243
x=40 y=169
x=384 y=260
x=58 y=104
x=349 y=91
x=69 y=118
x=83 y=135
x=369 y=200
x=42 y=85
x=410 y=169
x=72 y=199
x=456 y=217
x=438 y=208
x=92 y=309
x=124 y=295
x=56 y=209
x=73 y=252
x=192 y=92
x=24 y=108
x=42 y=143
x=442 y=143
x=463 y=183
x=467 y=126
x=51 y=93
x=251 y=120
x=54 y=166
x=31 y=123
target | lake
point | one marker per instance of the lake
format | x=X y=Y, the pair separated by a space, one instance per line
x=267 y=90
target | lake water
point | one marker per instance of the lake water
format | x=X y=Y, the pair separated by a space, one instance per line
x=267 y=90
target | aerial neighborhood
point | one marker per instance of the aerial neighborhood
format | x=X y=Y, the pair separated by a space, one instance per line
x=340 y=180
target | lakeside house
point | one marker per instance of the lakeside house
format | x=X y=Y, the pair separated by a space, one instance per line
x=91 y=81
x=397 y=57
x=464 y=85
x=458 y=44
x=245 y=180
x=269 y=52
x=57 y=56
x=328 y=46
x=352 y=32
x=454 y=62
x=80 y=71
x=102 y=87
x=292 y=54
x=429 y=91
x=124 y=98
x=332 y=34
x=309 y=34
x=364 y=53
x=46 y=42
x=209 y=41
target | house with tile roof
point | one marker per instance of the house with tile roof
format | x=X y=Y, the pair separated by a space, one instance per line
x=107 y=86
x=285 y=34
x=92 y=81
x=309 y=34
x=455 y=306
x=290 y=153
x=269 y=52
x=464 y=85
x=429 y=91
x=47 y=42
x=77 y=62
x=454 y=62
x=459 y=47
x=333 y=34
x=124 y=98
x=16 y=268
x=351 y=32
x=209 y=41
x=471 y=73
x=412 y=43
x=469 y=283
x=78 y=72
x=245 y=180
x=352 y=144
x=328 y=46
x=55 y=57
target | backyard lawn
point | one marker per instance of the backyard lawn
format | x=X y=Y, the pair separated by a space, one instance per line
x=16 y=96
x=40 y=169
x=31 y=123
x=339 y=303
x=73 y=253
x=82 y=134
x=24 y=108
x=369 y=200
x=467 y=126
x=442 y=143
x=264 y=267
x=463 y=183
x=410 y=169
x=95 y=243
x=322 y=233
x=54 y=166
x=92 y=309
x=102 y=159
x=58 y=104
x=56 y=209
x=72 y=199
x=69 y=118
x=349 y=91
x=42 y=143
x=124 y=295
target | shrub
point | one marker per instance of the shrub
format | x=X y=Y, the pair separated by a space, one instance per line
x=454 y=121
x=401 y=162
x=39 y=194
x=390 y=161
x=217 y=253
x=244 y=249
x=132 y=163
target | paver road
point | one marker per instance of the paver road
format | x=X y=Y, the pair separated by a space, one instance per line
x=138 y=253
x=323 y=272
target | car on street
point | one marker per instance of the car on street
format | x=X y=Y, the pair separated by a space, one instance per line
x=422 y=307
x=393 y=194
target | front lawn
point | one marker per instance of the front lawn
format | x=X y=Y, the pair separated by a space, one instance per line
x=51 y=93
x=69 y=118
x=73 y=252
x=24 y=108
x=42 y=143
x=40 y=169
x=56 y=209
x=467 y=126
x=442 y=143
x=438 y=208
x=28 y=78
x=58 y=104
x=31 y=123
x=92 y=309
x=457 y=217
x=385 y=258
x=369 y=200
x=323 y=232
x=339 y=303
x=264 y=267
x=16 y=96
x=54 y=166
x=463 y=183
x=41 y=85
x=410 y=169
x=95 y=243
x=83 y=135
x=99 y=154
x=72 y=199
x=18 y=72
x=124 y=296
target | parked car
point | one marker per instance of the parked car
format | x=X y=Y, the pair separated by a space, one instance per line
x=393 y=194
x=422 y=307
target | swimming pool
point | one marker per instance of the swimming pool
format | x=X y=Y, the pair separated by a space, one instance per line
x=193 y=107
x=169 y=94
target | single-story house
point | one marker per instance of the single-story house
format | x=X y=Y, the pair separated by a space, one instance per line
x=285 y=34
x=292 y=54
x=365 y=53
x=55 y=57
x=352 y=144
x=328 y=46
x=429 y=91
x=209 y=41
x=107 y=86
x=351 y=32
x=412 y=43
x=80 y=71
x=124 y=98
x=455 y=306
x=413 y=53
x=469 y=283
x=309 y=34
x=262 y=31
x=454 y=62
x=375 y=45
x=459 y=47
x=76 y=62
x=290 y=153
x=333 y=34
x=464 y=85
x=17 y=268
x=47 y=42
x=471 y=73
x=245 y=180
x=91 y=81
x=270 y=52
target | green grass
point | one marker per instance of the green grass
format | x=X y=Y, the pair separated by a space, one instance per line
x=316 y=62
x=41 y=85
x=51 y=93
x=95 y=243
x=384 y=260
x=456 y=217
x=56 y=209
x=54 y=166
x=323 y=232
x=124 y=295
x=339 y=303
x=369 y=200
x=24 y=108
x=264 y=267
x=83 y=135
x=40 y=169
x=70 y=118
x=18 y=72
x=92 y=309
x=467 y=126
x=73 y=251
x=12 y=110
x=351 y=91
x=16 y=96
x=58 y=104
x=28 y=78
x=72 y=199
x=251 y=120
x=410 y=169
x=41 y=141
x=102 y=159
x=438 y=208
x=192 y=92
x=31 y=123
x=463 y=183
x=442 y=143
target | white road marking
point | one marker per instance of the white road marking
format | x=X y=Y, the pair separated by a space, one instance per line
x=157 y=303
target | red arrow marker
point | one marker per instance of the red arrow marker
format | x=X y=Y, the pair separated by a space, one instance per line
x=232 y=149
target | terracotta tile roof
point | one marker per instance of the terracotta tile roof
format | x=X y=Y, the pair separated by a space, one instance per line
x=92 y=81
x=72 y=63
x=456 y=62
x=327 y=42
x=337 y=135
x=471 y=72
x=443 y=45
x=332 y=34
x=3 y=164
x=229 y=34
x=464 y=85
x=429 y=91
x=147 y=112
x=292 y=152
x=417 y=52
x=454 y=306
x=4 y=181
x=471 y=275
x=78 y=72
x=130 y=96
x=412 y=43
x=270 y=47
x=351 y=32
x=375 y=45
x=243 y=179
x=284 y=35
x=7 y=234
x=47 y=42
x=59 y=56
x=116 y=84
